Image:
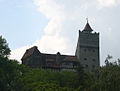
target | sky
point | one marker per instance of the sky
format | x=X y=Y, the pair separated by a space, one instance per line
x=53 y=25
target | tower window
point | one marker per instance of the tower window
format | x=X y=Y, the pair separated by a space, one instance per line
x=93 y=66
x=93 y=50
x=86 y=66
x=94 y=60
x=85 y=58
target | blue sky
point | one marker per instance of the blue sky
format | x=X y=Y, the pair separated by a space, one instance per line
x=21 y=23
x=53 y=25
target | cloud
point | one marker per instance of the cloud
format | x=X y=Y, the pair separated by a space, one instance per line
x=18 y=53
x=51 y=44
x=106 y=3
x=118 y=1
x=108 y=32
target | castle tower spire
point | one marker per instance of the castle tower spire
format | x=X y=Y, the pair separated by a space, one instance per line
x=87 y=27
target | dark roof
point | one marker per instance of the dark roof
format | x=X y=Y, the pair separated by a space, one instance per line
x=87 y=28
x=49 y=57
x=52 y=57
x=29 y=52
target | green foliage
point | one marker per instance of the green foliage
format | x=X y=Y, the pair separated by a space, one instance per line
x=61 y=79
x=109 y=77
x=82 y=80
x=10 y=70
x=4 y=49
x=41 y=86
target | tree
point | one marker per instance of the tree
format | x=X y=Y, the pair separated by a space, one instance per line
x=80 y=79
x=10 y=70
x=109 y=77
x=4 y=52
x=4 y=49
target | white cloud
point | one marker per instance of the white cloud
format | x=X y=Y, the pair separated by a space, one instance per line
x=49 y=8
x=106 y=3
x=51 y=44
x=108 y=32
x=118 y=1
x=18 y=53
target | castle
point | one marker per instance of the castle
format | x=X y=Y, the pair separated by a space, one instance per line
x=87 y=53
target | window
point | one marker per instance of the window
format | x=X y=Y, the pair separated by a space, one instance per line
x=86 y=66
x=49 y=64
x=66 y=63
x=93 y=60
x=93 y=50
x=84 y=50
x=85 y=58
x=93 y=66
